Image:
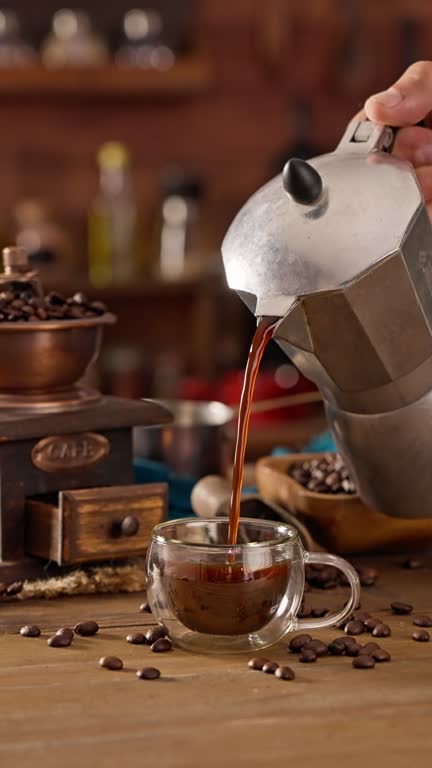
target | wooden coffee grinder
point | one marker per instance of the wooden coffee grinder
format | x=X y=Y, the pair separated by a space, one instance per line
x=66 y=464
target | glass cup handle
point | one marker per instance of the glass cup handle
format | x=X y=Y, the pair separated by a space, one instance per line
x=351 y=575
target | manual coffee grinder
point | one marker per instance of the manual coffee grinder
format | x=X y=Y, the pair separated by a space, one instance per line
x=66 y=465
x=340 y=249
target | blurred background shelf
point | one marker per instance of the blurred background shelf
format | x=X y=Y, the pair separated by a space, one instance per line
x=189 y=75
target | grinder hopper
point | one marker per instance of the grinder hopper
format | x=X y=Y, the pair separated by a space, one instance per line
x=340 y=249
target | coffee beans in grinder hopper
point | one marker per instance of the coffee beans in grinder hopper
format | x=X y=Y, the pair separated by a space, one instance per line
x=323 y=475
x=24 y=306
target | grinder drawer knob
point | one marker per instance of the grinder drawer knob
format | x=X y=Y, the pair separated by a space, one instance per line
x=129 y=526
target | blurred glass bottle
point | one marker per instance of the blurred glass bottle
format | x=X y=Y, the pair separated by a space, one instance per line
x=113 y=230
x=14 y=52
x=72 y=42
x=143 y=44
x=36 y=228
x=180 y=240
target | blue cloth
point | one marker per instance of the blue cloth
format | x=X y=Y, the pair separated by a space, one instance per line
x=180 y=488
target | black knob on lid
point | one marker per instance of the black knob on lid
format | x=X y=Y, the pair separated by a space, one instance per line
x=302 y=182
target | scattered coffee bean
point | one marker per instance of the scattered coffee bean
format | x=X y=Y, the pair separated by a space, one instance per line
x=111 y=662
x=336 y=648
x=137 y=638
x=307 y=657
x=412 y=565
x=371 y=623
x=161 y=645
x=380 y=655
x=346 y=640
x=86 y=628
x=304 y=612
x=370 y=648
x=353 y=649
x=318 y=613
x=14 y=589
x=320 y=648
x=297 y=643
x=401 y=609
x=367 y=576
x=284 y=673
x=382 y=630
x=154 y=633
x=354 y=628
x=59 y=641
x=257 y=662
x=66 y=632
x=363 y=662
x=148 y=673
x=30 y=631
x=145 y=608
x=270 y=667
x=421 y=636
x=422 y=621
x=362 y=616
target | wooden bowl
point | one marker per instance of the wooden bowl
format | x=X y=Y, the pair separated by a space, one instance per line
x=342 y=522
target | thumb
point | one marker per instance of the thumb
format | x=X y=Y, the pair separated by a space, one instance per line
x=408 y=101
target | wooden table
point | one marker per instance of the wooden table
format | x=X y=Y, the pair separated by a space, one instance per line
x=59 y=708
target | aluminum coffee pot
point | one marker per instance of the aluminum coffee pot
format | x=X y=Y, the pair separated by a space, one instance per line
x=340 y=248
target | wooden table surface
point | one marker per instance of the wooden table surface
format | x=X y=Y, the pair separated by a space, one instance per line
x=59 y=708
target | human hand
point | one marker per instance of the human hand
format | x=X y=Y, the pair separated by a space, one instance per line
x=407 y=102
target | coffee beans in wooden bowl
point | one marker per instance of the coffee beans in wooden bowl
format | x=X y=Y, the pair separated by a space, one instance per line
x=323 y=475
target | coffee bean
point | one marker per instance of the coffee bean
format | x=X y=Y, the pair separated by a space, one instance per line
x=59 y=641
x=3 y=588
x=145 y=608
x=353 y=649
x=412 y=564
x=297 y=643
x=111 y=662
x=318 y=613
x=30 y=631
x=284 y=673
x=363 y=662
x=382 y=630
x=362 y=616
x=325 y=475
x=336 y=648
x=270 y=667
x=148 y=673
x=370 y=648
x=304 y=612
x=161 y=645
x=367 y=576
x=320 y=648
x=421 y=635
x=380 y=655
x=346 y=640
x=401 y=609
x=354 y=628
x=257 y=662
x=153 y=634
x=66 y=632
x=136 y=638
x=307 y=657
x=80 y=298
x=422 y=621
x=14 y=589
x=371 y=623
x=86 y=628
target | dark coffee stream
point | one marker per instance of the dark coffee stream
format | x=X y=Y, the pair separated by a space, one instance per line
x=262 y=336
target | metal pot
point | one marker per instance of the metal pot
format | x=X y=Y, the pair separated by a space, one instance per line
x=194 y=444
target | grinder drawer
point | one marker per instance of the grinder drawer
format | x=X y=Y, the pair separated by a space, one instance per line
x=95 y=523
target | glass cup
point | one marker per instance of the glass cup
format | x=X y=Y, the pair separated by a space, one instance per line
x=216 y=598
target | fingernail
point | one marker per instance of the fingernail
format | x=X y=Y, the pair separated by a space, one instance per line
x=423 y=156
x=390 y=98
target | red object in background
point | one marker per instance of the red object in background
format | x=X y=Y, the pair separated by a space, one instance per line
x=271 y=384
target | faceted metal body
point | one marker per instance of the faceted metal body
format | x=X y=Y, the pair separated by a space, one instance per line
x=351 y=278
